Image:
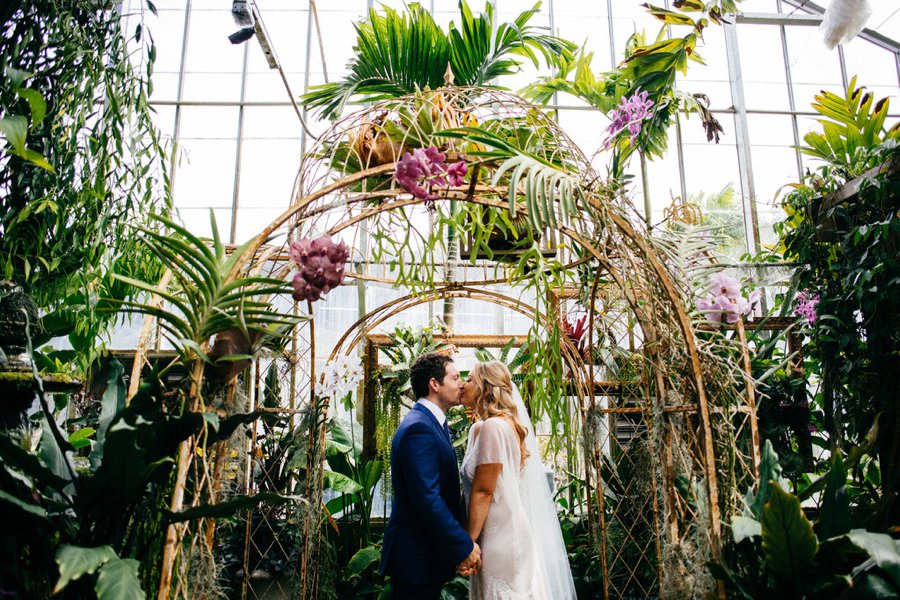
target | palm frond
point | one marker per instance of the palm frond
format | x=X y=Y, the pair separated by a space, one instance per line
x=395 y=54
x=203 y=301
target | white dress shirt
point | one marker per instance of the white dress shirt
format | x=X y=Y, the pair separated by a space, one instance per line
x=435 y=410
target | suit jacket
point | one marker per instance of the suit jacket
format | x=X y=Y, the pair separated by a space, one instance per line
x=424 y=540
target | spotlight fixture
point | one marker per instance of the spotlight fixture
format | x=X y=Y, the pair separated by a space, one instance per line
x=241 y=35
x=243 y=16
x=246 y=15
x=240 y=12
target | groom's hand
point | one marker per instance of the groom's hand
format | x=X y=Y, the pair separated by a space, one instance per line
x=472 y=564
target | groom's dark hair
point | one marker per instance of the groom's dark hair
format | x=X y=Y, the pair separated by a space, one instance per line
x=429 y=365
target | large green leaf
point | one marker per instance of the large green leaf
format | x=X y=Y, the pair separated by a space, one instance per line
x=341 y=483
x=769 y=471
x=58 y=460
x=75 y=561
x=15 y=129
x=788 y=542
x=119 y=580
x=884 y=549
x=743 y=528
x=834 y=515
x=361 y=560
x=112 y=401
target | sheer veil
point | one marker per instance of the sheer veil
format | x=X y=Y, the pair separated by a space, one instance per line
x=541 y=513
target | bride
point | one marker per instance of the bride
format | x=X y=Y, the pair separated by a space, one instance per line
x=510 y=510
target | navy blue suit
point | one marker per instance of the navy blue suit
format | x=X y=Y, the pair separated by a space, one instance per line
x=423 y=541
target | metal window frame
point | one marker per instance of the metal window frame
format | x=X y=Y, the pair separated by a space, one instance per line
x=804 y=13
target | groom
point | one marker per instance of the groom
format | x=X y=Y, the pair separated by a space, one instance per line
x=424 y=542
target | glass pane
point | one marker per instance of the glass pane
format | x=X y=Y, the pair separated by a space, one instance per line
x=271 y=123
x=762 y=67
x=209 y=122
x=268 y=171
x=585 y=127
x=196 y=220
x=810 y=61
x=770 y=130
x=212 y=87
x=872 y=65
x=208 y=49
x=709 y=169
x=715 y=69
x=168 y=33
x=204 y=174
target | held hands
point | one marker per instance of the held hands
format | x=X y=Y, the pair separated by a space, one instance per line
x=472 y=564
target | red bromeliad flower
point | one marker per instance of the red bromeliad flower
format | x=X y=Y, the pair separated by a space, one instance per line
x=576 y=332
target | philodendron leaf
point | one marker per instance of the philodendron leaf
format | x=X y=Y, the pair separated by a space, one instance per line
x=884 y=549
x=75 y=561
x=769 y=471
x=743 y=528
x=788 y=542
x=341 y=483
x=834 y=516
x=119 y=580
x=362 y=559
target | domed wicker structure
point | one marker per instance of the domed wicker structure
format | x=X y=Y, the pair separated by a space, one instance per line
x=667 y=437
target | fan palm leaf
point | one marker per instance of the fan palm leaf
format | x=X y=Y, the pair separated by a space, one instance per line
x=398 y=53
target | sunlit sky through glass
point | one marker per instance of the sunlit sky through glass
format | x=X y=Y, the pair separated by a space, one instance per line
x=239 y=140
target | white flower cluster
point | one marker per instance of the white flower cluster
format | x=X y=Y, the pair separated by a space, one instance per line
x=339 y=377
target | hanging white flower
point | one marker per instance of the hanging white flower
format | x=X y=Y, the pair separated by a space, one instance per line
x=340 y=376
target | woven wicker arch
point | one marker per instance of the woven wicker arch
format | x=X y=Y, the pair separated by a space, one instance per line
x=680 y=419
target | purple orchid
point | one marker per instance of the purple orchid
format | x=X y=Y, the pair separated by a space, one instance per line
x=726 y=304
x=807 y=302
x=426 y=166
x=630 y=114
x=320 y=264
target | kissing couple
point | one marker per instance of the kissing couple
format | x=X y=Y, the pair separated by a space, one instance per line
x=510 y=544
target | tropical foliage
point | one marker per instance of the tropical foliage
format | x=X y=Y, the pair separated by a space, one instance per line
x=776 y=549
x=853 y=131
x=843 y=232
x=400 y=53
x=649 y=70
x=83 y=161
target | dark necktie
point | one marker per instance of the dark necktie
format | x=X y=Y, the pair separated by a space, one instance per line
x=447 y=432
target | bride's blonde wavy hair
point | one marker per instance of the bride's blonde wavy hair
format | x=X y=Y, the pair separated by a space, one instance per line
x=494 y=398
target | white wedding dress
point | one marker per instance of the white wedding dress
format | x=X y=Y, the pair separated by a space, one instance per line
x=522 y=551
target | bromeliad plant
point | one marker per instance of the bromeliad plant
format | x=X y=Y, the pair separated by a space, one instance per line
x=209 y=298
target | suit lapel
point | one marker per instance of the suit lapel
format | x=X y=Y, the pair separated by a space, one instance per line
x=439 y=431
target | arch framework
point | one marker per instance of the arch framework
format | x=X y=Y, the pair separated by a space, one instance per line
x=666 y=437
